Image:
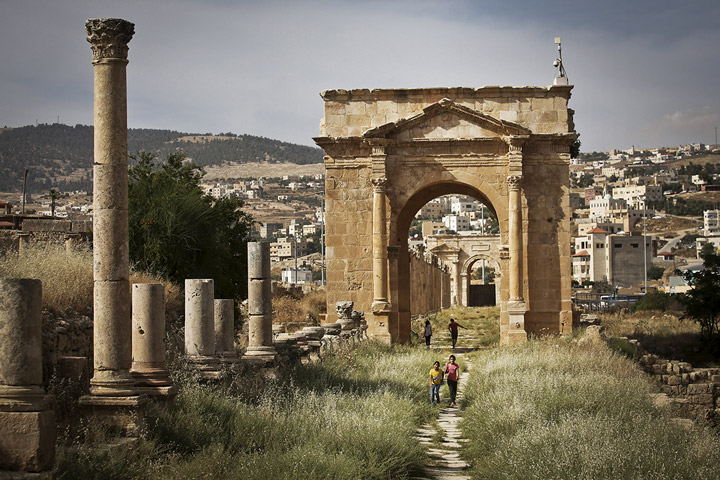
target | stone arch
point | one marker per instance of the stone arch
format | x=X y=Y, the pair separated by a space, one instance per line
x=400 y=218
x=467 y=268
x=388 y=152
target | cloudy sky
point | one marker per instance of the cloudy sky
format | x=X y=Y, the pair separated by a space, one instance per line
x=646 y=72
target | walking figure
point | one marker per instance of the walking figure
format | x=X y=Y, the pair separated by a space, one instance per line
x=428 y=333
x=453 y=327
x=453 y=374
x=436 y=379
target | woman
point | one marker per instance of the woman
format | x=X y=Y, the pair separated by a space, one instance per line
x=452 y=370
x=428 y=333
x=436 y=378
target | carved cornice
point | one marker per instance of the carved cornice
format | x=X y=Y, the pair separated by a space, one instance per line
x=515 y=143
x=109 y=38
x=379 y=184
x=514 y=182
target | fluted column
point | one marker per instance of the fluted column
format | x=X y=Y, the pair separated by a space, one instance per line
x=380 y=269
x=515 y=237
x=112 y=329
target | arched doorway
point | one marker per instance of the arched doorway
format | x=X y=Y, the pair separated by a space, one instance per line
x=487 y=292
x=388 y=152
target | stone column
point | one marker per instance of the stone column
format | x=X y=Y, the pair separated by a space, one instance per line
x=457 y=298
x=516 y=305
x=380 y=270
x=112 y=353
x=27 y=425
x=199 y=318
x=464 y=289
x=149 y=367
x=515 y=237
x=260 y=341
x=225 y=327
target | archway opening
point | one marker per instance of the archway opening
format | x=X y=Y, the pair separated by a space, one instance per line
x=425 y=224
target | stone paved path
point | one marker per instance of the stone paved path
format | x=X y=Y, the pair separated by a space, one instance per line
x=443 y=460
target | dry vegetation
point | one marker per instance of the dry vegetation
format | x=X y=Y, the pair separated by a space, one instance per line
x=290 y=310
x=67 y=278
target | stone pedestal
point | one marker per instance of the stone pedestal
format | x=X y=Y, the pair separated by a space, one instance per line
x=260 y=342
x=149 y=367
x=516 y=319
x=27 y=425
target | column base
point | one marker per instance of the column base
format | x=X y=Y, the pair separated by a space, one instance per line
x=264 y=356
x=516 y=319
x=379 y=327
x=124 y=415
x=209 y=366
x=27 y=443
x=166 y=392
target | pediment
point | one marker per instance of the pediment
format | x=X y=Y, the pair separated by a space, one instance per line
x=446 y=120
x=445 y=249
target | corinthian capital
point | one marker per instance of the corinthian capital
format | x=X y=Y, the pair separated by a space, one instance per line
x=109 y=37
x=379 y=184
x=514 y=182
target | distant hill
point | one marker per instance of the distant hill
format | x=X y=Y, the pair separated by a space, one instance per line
x=62 y=156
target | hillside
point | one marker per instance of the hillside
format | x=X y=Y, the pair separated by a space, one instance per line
x=61 y=155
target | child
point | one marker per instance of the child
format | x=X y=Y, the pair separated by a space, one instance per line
x=436 y=378
x=453 y=372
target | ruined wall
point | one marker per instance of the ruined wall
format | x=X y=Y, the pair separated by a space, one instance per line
x=695 y=393
x=429 y=284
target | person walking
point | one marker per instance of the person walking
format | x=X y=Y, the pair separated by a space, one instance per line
x=453 y=327
x=436 y=379
x=428 y=333
x=452 y=370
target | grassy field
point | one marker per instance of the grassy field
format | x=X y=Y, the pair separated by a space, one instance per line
x=353 y=415
x=552 y=410
x=482 y=326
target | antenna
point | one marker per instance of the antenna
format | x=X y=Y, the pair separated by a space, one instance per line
x=560 y=75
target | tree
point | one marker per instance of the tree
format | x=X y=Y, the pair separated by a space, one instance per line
x=655 y=272
x=178 y=232
x=702 y=302
x=54 y=195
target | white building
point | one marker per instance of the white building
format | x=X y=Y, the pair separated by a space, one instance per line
x=616 y=259
x=301 y=275
x=634 y=194
x=710 y=223
x=456 y=222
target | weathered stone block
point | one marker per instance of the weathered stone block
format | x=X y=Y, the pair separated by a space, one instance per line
x=27 y=441
x=698 y=388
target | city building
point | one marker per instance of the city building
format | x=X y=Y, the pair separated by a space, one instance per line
x=620 y=260
x=710 y=223
x=634 y=194
x=299 y=275
x=456 y=222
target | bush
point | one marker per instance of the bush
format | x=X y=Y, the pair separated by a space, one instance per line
x=660 y=301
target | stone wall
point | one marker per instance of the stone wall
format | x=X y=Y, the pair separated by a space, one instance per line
x=429 y=284
x=694 y=392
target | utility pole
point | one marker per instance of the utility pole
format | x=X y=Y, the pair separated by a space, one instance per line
x=295 y=249
x=23 y=194
x=645 y=241
x=716 y=137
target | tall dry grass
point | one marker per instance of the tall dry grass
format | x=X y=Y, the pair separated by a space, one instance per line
x=551 y=409
x=289 y=309
x=351 y=416
x=67 y=277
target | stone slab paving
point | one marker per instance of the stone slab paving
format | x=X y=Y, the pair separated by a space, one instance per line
x=443 y=460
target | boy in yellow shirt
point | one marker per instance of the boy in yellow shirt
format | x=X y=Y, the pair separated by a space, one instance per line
x=436 y=379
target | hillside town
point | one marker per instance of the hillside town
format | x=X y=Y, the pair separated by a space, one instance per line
x=639 y=217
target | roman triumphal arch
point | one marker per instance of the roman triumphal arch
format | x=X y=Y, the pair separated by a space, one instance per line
x=390 y=151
